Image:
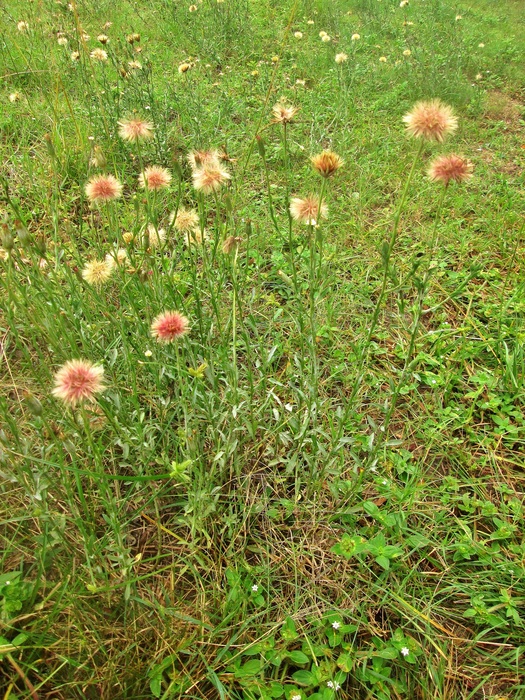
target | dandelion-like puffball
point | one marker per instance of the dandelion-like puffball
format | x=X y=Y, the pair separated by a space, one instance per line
x=284 y=114
x=103 y=188
x=97 y=272
x=154 y=178
x=77 y=381
x=155 y=236
x=202 y=159
x=135 y=130
x=306 y=211
x=450 y=168
x=169 y=326
x=185 y=221
x=118 y=257
x=99 y=55
x=210 y=178
x=341 y=57
x=432 y=121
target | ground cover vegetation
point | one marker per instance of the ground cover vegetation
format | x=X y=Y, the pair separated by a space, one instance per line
x=261 y=326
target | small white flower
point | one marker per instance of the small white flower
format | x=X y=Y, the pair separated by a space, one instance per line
x=148 y=353
x=295 y=697
x=336 y=625
x=255 y=588
x=405 y=651
x=335 y=686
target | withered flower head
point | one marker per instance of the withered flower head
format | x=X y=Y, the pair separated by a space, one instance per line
x=327 y=163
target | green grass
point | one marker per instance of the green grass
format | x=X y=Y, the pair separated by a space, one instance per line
x=320 y=477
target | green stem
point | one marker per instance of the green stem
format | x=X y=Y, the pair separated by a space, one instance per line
x=413 y=334
x=387 y=253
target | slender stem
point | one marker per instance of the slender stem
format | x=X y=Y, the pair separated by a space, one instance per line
x=387 y=253
x=413 y=334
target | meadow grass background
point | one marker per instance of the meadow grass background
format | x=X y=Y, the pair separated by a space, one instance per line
x=274 y=507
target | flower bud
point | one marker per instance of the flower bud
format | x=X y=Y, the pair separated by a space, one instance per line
x=23 y=234
x=8 y=241
x=260 y=145
x=33 y=404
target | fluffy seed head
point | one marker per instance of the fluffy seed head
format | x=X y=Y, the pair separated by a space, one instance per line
x=431 y=121
x=210 y=178
x=284 y=114
x=22 y=26
x=135 y=130
x=169 y=326
x=75 y=55
x=155 y=236
x=355 y=37
x=231 y=244
x=327 y=163
x=450 y=168
x=99 y=55
x=185 y=221
x=103 y=38
x=155 y=178
x=307 y=211
x=195 y=237
x=201 y=159
x=97 y=272
x=117 y=257
x=77 y=381
x=341 y=57
x=103 y=188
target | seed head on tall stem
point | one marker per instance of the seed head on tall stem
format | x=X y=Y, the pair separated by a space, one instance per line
x=431 y=121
